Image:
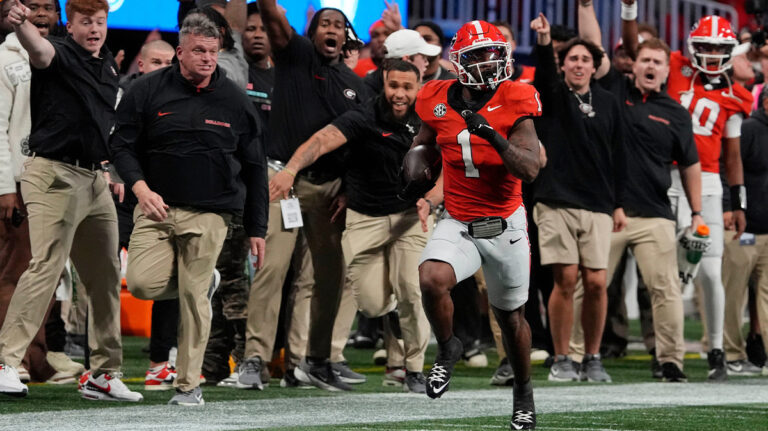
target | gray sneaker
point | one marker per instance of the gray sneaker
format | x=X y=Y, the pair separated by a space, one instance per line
x=191 y=398
x=563 y=370
x=592 y=370
x=504 y=375
x=415 y=382
x=346 y=375
x=249 y=374
x=743 y=368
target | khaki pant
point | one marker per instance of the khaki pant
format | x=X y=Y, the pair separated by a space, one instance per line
x=382 y=255
x=175 y=258
x=740 y=263
x=653 y=244
x=324 y=239
x=71 y=214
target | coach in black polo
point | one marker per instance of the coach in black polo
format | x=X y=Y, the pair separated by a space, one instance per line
x=384 y=235
x=71 y=214
x=658 y=133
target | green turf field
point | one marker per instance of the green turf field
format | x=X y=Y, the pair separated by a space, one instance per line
x=632 y=402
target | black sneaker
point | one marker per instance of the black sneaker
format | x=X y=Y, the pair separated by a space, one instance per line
x=249 y=374
x=756 y=350
x=346 y=374
x=321 y=375
x=671 y=373
x=656 y=370
x=415 y=382
x=504 y=375
x=440 y=375
x=717 y=371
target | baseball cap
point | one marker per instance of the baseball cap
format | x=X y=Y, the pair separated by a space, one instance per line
x=408 y=42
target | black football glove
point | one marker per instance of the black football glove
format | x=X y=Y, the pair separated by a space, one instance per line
x=478 y=125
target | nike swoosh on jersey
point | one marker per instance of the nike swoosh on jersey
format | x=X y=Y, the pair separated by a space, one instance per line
x=512 y=241
x=491 y=109
x=163 y=114
x=386 y=134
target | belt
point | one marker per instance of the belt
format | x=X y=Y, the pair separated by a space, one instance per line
x=83 y=164
x=317 y=177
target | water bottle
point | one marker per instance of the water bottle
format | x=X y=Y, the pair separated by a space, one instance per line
x=694 y=256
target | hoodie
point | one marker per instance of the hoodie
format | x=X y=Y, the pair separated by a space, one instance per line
x=15 y=117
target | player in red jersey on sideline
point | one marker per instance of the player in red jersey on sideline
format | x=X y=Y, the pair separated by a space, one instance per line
x=717 y=106
x=482 y=125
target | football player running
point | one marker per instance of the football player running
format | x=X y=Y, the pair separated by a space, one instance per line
x=702 y=85
x=482 y=125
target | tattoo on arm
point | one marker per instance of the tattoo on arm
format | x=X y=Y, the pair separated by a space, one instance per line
x=522 y=156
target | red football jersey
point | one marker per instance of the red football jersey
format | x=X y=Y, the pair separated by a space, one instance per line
x=710 y=109
x=476 y=182
x=528 y=72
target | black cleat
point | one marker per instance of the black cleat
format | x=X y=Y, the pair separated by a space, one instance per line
x=717 y=371
x=440 y=375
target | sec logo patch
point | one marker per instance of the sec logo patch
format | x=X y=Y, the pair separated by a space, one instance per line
x=440 y=110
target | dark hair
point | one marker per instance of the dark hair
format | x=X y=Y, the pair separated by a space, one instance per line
x=227 y=41
x=644 y=26
x=351 y=39
x=253 y=8
x=655 y=43
x=59 y=29
x=506 y=25
x=435 y=28
x=561 y=33
x=396 y=64
x=761 y=97
x=597 y=53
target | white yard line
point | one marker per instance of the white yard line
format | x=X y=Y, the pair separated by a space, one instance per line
x=385 y=407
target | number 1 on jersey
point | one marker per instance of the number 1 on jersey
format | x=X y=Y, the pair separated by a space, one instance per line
x=470 y=171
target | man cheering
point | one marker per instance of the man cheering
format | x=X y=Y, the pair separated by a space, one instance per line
x=187 y=142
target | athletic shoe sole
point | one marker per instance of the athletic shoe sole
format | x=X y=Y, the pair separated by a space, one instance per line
x=200 y=404
x=15 y=394
x=553 y=378
x=391 y=383
x=239 y=385
x=100 y=396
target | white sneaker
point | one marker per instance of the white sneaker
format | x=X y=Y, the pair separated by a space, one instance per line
x=109 y=387
x=478 y=360
x=23 y=374
x=229 y=382
x=10 y=384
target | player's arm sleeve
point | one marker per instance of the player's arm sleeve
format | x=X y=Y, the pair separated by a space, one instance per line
x=129 y=128
x=253 y=160
x=545 y=79
x=733 y=125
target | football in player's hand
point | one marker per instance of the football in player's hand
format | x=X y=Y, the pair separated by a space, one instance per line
x=421 y=168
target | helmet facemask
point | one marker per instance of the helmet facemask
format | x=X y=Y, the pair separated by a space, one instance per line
x=482 y=66
x=712 y=57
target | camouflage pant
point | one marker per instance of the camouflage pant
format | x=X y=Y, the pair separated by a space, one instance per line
x=229 y=306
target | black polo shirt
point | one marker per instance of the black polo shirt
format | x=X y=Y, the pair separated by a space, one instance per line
x=73 y=104
x=309 y=93
x=658 y=131
x=261 y=83
x=378 y=143
x=586 y=162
